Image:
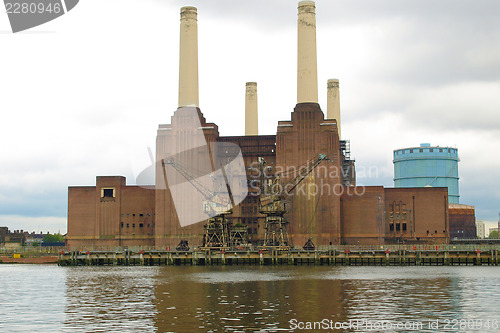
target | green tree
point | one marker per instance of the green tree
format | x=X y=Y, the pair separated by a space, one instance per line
x=54 y=238
x=494 y=234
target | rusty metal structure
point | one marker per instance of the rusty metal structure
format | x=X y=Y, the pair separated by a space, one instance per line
x=220 y=233
x=274 y=198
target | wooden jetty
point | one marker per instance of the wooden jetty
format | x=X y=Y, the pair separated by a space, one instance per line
x=336 y=256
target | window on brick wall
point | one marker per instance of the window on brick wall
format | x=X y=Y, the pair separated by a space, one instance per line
x=108 y=192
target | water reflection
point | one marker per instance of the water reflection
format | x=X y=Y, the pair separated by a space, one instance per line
x=242 y=299
x=236 y=299
x=224 y=299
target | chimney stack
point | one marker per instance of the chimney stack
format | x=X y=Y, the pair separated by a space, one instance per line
x=251 y=111
x=333 y=101
x=188 y=58
x=307 y=75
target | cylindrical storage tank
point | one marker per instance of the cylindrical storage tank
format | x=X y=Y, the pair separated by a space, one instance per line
x=427 y=165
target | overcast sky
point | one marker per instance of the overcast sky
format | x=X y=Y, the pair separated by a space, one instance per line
x=83 y=95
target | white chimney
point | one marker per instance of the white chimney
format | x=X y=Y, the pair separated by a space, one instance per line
x=188 y=58
x=251 y=111
x=333 y=101
x=307 y=76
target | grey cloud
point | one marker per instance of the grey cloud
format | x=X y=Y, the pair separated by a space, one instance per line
x=20 y=202
x=427 y=57
x=259 y=13
x=441 y=41
x=463 y=106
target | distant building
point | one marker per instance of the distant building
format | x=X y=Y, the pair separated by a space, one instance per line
x=3 y=234
x=428 y=166
x=480 y=229
x=490 y=230
x=34 y=239
x=10 y=239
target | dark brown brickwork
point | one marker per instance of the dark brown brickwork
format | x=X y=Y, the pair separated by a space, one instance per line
x=362 y=215
x=462 y=221
x=315 y=211
x=253 y=147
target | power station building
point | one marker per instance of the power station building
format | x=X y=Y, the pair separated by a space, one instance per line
x=326 y=208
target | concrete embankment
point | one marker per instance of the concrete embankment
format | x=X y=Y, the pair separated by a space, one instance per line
x=390 y=255
x=28 y=260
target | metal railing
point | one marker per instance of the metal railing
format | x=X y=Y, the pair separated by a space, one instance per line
x=54 y=250
x=33 y=250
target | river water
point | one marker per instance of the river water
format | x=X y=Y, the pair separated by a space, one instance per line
x=45 y=298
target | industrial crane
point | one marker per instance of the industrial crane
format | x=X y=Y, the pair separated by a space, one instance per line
x=219 y=231
x=273 y=202
x=214 y=203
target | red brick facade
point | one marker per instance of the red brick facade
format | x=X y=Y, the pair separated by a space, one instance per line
x=110 y=214
x=321 y=208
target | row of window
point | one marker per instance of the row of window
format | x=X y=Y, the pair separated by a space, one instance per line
x=402 y=226
x=421 y=150
x=435 y=231
x=398 y=226
x=140 y=215
x=141 y=225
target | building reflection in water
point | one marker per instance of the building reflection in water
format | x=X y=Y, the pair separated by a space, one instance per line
x=256 y=298
x=222 y=298
x=236 y=298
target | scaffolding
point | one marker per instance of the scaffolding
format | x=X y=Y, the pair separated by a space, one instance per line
x=217 y=233
x=238 y=236
x=276 y=235
x=221 y=234
x=273 y=205
x=347 y=163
